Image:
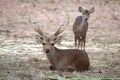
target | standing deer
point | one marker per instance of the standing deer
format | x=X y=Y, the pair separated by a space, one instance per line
x=80 y=27
x=62 y=59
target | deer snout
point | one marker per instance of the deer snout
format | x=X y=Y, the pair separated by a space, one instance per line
x=47 y=50
x=85 y=17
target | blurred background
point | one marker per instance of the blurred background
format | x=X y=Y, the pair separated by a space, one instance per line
x=21 y=58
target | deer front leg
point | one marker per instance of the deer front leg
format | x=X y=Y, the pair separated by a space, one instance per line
x=84 y=41
x=75 y=41
x=49 y=66
x=63 y=65
x=79 y=41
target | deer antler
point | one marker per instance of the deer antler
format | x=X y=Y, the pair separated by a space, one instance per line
x=36 y=28
x=60 y=29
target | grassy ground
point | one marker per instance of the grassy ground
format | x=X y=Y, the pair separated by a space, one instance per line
x=21 y=58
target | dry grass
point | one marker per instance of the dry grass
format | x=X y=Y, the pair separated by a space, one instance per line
x=22 y=59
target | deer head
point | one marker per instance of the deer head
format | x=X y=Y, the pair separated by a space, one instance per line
x=86 y=13
x=48 y=41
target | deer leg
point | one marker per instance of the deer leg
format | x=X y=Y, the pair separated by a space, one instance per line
x=65 y=66
x=50 y=66
x=78 y=43
x=84 y=39
x=79 y=40
x=75 y=41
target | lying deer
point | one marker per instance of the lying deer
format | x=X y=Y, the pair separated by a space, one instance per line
x=62 y=59
x=80 y=27
x=66 y=59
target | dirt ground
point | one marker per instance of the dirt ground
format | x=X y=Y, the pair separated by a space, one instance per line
x=21 y=58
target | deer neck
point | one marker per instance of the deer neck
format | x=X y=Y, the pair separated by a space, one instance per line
x=52 y=56
x=83 y=22
x=54 y=51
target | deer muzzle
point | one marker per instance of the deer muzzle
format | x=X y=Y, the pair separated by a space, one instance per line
x=47 y=50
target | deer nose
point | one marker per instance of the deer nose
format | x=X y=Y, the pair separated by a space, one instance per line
x=47 y=50
x=86 y=19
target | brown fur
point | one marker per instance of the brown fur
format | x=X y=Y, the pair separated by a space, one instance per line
x=80 y=27
x=69 y=59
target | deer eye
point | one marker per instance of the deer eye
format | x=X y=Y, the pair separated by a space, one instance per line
x=88 y=13
x=84 y=13
x=52 y=44
x=43 y=43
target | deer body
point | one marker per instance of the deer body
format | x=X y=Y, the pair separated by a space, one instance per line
x=80 y=27
x=69 y=59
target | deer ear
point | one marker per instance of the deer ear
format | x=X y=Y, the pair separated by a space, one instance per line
x=58 y=39
x=38 y=38
x=80 y=9
x=91 y=10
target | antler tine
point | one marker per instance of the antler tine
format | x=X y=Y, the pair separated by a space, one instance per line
x=37 y=29
x=68 y=18
x=60 y=30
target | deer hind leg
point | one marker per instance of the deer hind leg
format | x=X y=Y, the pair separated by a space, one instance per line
x=64 y=65
x=67 y=69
